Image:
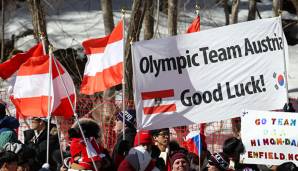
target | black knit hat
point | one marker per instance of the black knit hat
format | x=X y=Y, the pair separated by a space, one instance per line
x=288 y=166
x=219 y=160
x=130 y=117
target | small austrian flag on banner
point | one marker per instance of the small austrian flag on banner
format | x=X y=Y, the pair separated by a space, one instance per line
x=156 y=102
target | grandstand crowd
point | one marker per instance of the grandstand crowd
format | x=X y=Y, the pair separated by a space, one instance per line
x=134 y=150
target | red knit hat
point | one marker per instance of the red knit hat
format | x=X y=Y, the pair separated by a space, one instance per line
x=178 y=155
x=145 y=138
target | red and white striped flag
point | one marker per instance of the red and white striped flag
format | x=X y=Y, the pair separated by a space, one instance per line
x=9 y=67
x=156 y=102
x=31 y=85
x=105 y=62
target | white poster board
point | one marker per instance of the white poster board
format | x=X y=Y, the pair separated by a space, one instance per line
x=209 y=75
x=269 y=138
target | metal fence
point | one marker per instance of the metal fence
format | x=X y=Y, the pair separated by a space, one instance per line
x=104 y=112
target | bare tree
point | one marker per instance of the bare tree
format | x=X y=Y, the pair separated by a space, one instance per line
x=135 y=26
x=38 y=18
x=235 y=9
x=172 y=16
x=163 y=6
x=149 y=20
x=276 y=6
x=226 y=10
x=107 y=14
x=252 y=8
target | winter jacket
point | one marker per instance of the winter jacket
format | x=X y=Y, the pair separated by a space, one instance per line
x=40 y=145
x=138 y=159
x=122 y=147
x=7 y=136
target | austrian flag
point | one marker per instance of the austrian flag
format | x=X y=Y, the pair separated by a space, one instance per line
x=29 y=74
x=156 y=102
x=31 y=89
x=105 y=62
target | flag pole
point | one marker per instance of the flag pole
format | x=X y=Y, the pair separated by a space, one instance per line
x=49 y=98
x=199 y=151
x=284 y=55
x=197 y=7
x=123 y=73
x=59 y=137
x=73 y=110
x=138 y=130
x=202 y=125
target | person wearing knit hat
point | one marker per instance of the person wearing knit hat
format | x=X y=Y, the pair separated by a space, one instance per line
x=8 y=124
x=218 y=162
x=179 y=162
x=123 y=144
x=139 y=157
x=129 y=116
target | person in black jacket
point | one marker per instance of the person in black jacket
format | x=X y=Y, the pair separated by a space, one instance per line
x=36 y=139
x=233 y=147
x=122 y=147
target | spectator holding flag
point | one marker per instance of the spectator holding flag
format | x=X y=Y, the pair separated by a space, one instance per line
x=84 y=152
x=36 y=139
x=195 y=143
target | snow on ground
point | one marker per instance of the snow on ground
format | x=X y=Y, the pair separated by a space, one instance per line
x=69 y=22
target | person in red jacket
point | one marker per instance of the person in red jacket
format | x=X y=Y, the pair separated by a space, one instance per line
x=139 y=157
x=83 y=155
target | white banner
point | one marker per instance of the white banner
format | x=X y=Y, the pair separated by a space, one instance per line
x=269 y=138
x=209 y=75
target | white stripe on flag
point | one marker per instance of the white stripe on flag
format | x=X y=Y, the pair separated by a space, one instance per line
x=97 y=62
x=60 y=92
x=31 y=86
